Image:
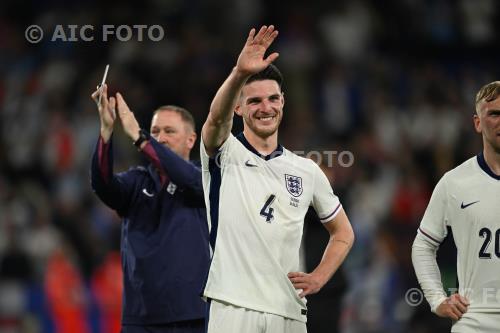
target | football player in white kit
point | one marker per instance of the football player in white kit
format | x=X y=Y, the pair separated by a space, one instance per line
x=257 y=196
x=467 y=199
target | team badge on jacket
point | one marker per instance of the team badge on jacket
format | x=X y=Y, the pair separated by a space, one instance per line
x=293 y=185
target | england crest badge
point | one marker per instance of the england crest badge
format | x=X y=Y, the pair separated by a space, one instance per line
x=293 y=185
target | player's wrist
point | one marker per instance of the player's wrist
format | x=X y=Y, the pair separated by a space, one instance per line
x=141 y=138
x=320 y=278
x=106 y=133
x=240 y=74
x=133 y=131
x=436 y=303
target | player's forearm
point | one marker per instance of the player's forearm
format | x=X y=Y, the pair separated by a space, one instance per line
x=427 y=271
x=106 y=133
x=220 y=119
x=224 y=102
x=335 y=253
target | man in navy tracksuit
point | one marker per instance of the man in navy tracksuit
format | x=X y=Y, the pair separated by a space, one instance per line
x=164 y=242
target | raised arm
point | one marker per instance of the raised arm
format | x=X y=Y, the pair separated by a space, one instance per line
x=169 y=164
x=113 y=190
x=251 y=60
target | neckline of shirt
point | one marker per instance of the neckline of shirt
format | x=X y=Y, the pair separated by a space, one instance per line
x=484 y=166
x=276 y=153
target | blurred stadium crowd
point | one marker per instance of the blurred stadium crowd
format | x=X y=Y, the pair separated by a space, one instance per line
x=393 y=82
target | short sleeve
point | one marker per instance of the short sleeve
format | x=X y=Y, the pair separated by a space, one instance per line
x=324 y=201
x=433 y=224
x=221 y=157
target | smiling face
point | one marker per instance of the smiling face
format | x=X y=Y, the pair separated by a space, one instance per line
x=261 y=106
x=169 y=129
x=487 y=122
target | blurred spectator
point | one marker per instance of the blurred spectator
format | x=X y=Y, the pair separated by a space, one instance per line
x=107 y=287
x=66 y=293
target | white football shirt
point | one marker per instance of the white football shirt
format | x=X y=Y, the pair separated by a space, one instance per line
x=467 y=199
x=256 y=208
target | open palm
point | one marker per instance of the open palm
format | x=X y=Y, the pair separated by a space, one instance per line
x=251 y=59
x=127 y=118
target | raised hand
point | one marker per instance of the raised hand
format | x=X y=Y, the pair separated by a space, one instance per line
x=127 y=118
x=251 y=59
x=107 y=113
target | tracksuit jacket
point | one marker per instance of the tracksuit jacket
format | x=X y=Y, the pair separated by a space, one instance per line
x=164 y=236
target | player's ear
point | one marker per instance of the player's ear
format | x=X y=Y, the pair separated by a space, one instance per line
x=191 y=140
x=282 y=98
x=477 y=123
x=237 y=109
x=239 y=101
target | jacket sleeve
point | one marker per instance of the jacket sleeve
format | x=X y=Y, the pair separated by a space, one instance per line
x=113 y=189
x=183 y=173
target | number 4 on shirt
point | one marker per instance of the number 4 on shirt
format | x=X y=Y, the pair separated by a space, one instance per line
x=267 y=210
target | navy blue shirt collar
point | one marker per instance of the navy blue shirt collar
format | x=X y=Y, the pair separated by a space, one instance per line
x=277 y=152
x=482 y=163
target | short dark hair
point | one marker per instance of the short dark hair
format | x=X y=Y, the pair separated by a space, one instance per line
x=186 y=116
x=271 y=72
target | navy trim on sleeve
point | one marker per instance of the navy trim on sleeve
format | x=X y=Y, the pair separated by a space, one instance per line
x=429 y=236
x=214 y=195
x=324 y=219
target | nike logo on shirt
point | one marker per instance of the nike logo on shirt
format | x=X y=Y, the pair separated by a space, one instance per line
x=147 y=193
x=248 y=164
x=467 y=205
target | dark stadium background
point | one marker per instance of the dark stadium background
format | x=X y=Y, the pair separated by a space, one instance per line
x=393 y=82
